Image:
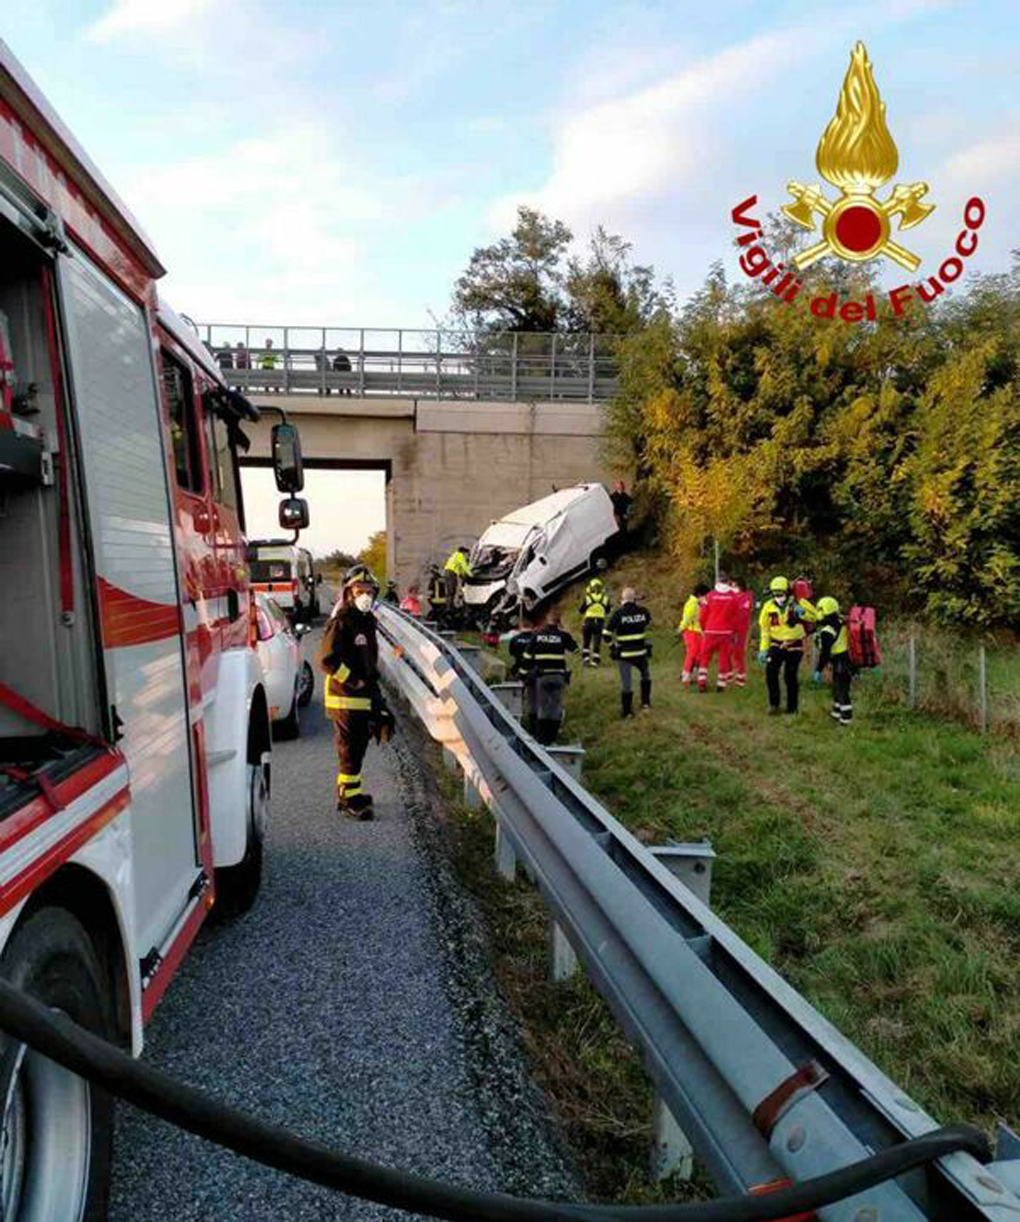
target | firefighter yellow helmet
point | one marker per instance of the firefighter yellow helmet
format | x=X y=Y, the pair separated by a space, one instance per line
x=828 y=606
x=595 y=584
x=779 y=585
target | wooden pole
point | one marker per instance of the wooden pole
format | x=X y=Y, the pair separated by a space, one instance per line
x=982 y=690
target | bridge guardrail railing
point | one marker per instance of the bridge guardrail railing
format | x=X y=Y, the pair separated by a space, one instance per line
x=441 y=364
x=763 y=1086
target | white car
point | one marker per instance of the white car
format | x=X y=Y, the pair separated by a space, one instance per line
x=534 y=552
x=290 y=680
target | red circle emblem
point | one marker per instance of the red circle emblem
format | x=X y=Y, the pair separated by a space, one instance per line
x=859 y=228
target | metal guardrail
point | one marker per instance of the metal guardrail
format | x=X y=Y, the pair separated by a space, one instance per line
x=721 y=1034
x=512 y=366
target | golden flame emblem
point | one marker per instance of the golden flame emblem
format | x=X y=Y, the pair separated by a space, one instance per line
x=857 y=154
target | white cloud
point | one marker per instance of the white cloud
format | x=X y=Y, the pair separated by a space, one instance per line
x=134 y=17
x=655 y=139
x=986 y=163
x=285 y=226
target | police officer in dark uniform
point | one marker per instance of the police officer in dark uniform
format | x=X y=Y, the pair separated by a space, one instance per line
x=354 y=702
x=548 y=675
x=629 y=646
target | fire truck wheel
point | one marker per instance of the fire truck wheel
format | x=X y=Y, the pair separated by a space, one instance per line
x=57 y=1129
x=238 y=886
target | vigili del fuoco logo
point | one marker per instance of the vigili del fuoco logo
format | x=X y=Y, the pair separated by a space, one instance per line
x=858 y=156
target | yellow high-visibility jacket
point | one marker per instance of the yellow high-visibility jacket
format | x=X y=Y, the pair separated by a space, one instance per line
x=782 y=625
x=595 y=605
x=458 y=565
x=690 y=621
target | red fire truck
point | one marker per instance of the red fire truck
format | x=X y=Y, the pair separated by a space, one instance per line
x=134 y=728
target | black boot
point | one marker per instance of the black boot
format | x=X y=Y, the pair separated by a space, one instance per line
x=626 y=704
x=360 y=807
x=646 y=693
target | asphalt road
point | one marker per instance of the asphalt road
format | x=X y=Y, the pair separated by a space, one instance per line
x=353 y=1004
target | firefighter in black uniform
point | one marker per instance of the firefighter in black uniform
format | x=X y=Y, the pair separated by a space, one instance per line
x=354 y=703
x=548 y=676
x=627 y=634
x=439 y=597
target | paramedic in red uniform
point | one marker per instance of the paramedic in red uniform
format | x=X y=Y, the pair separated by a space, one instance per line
x=720 y=624
x=354 y=703
x=745 y=601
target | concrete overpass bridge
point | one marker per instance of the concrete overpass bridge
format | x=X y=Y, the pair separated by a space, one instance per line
x=465 y=427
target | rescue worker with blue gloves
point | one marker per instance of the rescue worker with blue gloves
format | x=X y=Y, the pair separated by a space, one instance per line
x=783 y=637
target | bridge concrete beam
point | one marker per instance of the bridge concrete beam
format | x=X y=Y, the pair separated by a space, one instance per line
x=453 y=467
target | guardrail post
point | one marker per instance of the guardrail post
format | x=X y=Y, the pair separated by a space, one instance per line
x=570 y=758
x=400 y=360
x=513 y=371
x=286 y=358
x=672 y=1153
x=690 y=863
x=439 y=364
x=506 y=858
x=511 y=696
x=361 y=363
x=471 y=654
x=591 y=368
x=562 y=960
x=323 y=362
x=450 y=760
x=472 y=796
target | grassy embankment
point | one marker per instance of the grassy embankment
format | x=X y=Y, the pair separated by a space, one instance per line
x=877 y=868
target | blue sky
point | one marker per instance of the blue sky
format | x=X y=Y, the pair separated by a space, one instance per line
x=336 y=164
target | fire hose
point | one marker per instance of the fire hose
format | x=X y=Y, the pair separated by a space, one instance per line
x=113 y=1070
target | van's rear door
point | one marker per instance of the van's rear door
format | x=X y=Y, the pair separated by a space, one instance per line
x=109 y=350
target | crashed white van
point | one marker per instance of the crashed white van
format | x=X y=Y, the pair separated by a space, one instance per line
x=533 y=552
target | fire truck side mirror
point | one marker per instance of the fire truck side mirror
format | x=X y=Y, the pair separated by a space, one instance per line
x=290 y=476
x=294 y=513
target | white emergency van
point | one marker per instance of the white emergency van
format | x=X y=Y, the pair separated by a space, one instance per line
x=530 y=554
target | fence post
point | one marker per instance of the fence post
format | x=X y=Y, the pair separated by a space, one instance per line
x=439 y=364
x=552 y=369
x=323 y=362
x=400 y=360
x=591 y=368
x=286 y=358
x=912 y=672
x=361 y=364
x=982 y=690
x=513 y=371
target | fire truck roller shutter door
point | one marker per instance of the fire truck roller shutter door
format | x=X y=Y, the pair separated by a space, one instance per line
x=120 y=419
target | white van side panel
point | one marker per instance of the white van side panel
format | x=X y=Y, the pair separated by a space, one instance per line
x=120 y=421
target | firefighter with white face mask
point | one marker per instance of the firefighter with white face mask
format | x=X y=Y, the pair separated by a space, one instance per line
x=354 y=703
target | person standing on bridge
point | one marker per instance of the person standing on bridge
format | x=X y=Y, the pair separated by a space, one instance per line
x=349 y=655
x=548 y=675
x=627 y=634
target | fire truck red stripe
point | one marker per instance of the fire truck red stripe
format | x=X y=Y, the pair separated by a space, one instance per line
x=49 y=862
x=174 y=956
x=38 y=810
x=129 y=620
